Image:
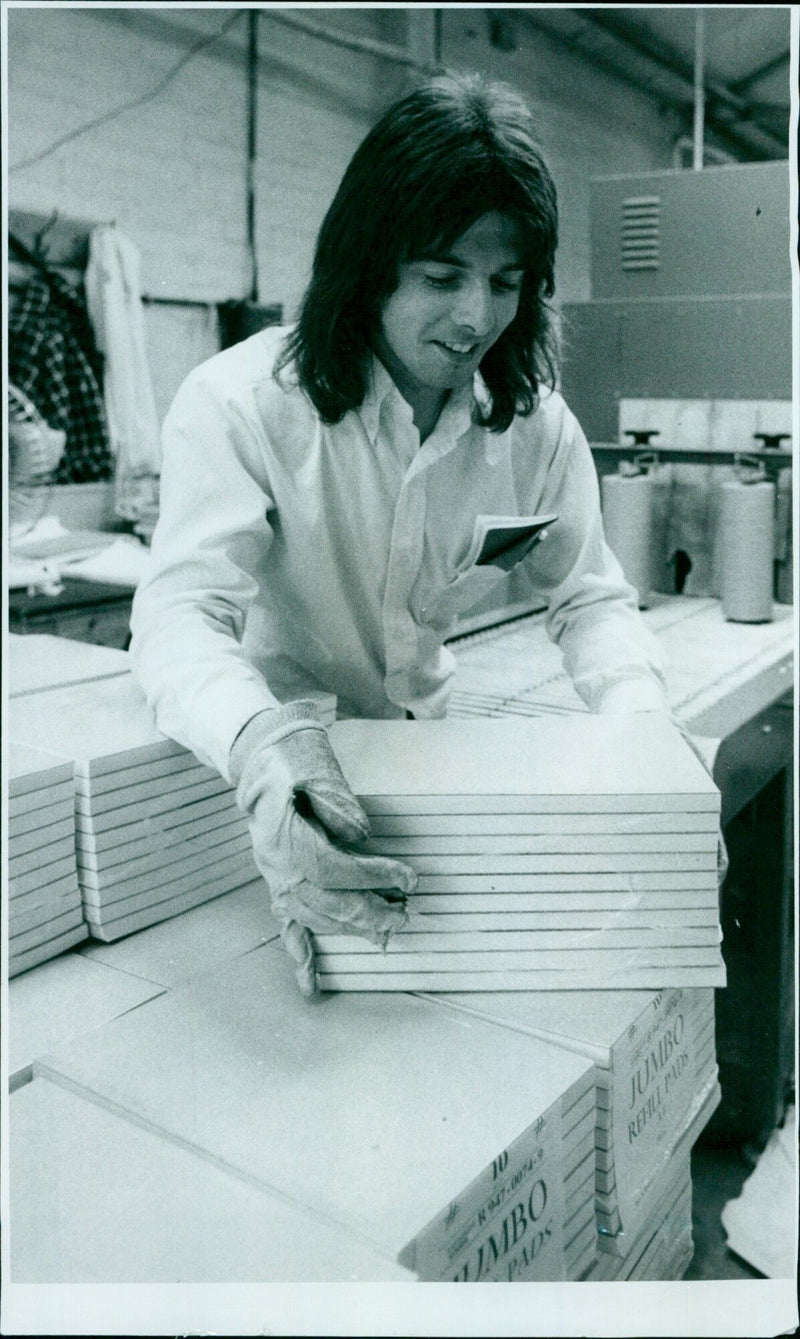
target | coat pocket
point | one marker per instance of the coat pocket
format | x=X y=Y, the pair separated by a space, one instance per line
x=501 y=542
x=498 y=545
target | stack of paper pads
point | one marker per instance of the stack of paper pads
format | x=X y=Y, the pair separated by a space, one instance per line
x=152 y=1211
x=38 y=662
x=664 y=1248
x=572 y=853
x=377 y=1116
x=156 y=833
x=657 y=1087
x=44 y=909
x=530 y=1215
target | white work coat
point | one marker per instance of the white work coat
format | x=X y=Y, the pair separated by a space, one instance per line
x=291 y=555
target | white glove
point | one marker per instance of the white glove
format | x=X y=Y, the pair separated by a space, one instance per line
x=292 y=788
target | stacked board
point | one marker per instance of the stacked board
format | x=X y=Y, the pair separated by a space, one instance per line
x=551 y=854
x=541 y=1186
x=37 y=662
x=152 y=1211
x=663 y=1248
x=657 y=1084
x=155 y=832
x=371 y=1115
x=45 y=915
x=624 y=1209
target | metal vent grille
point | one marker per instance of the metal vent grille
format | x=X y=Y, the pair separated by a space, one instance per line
x=640 y=232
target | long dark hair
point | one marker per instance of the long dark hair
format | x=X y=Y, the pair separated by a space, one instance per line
x=454 y=149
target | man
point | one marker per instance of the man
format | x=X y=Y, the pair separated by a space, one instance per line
x=327 y=491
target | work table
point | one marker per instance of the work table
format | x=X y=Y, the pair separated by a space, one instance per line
x=722 y=679
x=731 y=683
x=719 y=674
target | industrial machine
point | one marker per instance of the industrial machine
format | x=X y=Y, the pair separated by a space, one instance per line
x=690 y=293
x=691 y=300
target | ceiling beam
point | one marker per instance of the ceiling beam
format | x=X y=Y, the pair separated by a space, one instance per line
x=755 y=143
x=741 y=86
x=663 y=54
x=658 y=51
x=597 y=59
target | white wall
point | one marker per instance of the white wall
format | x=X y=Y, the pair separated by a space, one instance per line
x=171 y=172
x=589 y=123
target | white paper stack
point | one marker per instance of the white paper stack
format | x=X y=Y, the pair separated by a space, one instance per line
x=766 y=1202
x=511 y=1243
x=565 y=853
x=152 y=1211
x=625 y=1207
x=663 y=1248
x=156 y=833
x=457 y=1148
x=38 y=662
x=657 y=1084
x=45 y=916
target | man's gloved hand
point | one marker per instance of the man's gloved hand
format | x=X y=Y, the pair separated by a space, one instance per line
x=292 y=788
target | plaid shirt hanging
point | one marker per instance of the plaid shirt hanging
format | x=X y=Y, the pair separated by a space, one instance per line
x=53 y=359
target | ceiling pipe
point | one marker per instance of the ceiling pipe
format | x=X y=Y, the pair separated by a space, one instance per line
x=659 y=51
x=252 y=149
x=683 y=150
x=367 y=46
x=699 y=88
x=750 y=136
x=723 y=130
x=741 y=86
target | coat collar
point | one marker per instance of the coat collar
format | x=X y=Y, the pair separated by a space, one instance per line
x=459 y=408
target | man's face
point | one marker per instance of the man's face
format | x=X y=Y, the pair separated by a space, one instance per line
x=448 y=310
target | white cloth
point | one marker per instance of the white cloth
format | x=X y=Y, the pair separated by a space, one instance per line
x=113 y=299
x=292 y=555
x=761 y=1225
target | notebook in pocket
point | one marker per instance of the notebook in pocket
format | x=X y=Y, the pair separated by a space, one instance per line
x=505 y=540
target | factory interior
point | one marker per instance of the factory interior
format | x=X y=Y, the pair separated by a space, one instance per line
x=592 y=1080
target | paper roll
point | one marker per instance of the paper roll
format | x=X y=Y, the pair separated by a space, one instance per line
x=628 y=514
x=662 y=569
x=721 y=475
x=746 y=550
x=784 y=548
